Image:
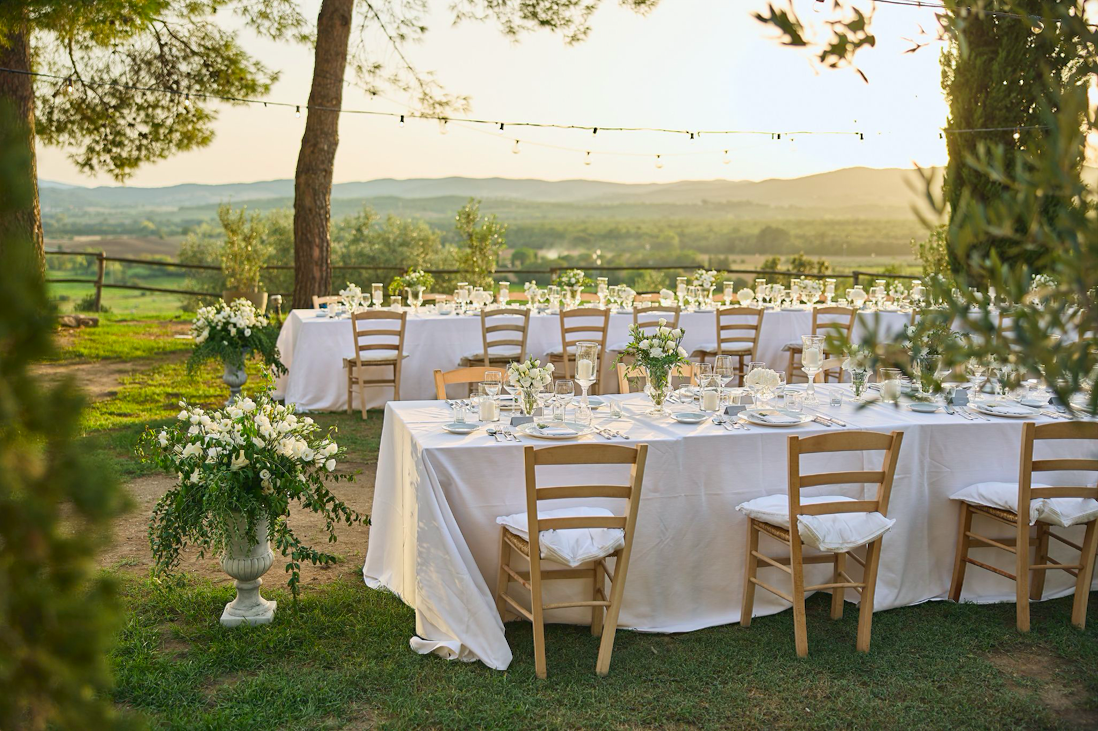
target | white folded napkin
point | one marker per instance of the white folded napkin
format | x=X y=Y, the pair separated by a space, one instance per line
x=556 y=431
x=776 y=417
x=1000 y=407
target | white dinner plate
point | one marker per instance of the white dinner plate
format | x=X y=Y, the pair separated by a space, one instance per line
x=596 y=402
x=753 y=416
x=988 y=407
x=456 y=428
x=924 y=407
x=1034 y=402
x=689 y=417
x=578 y=430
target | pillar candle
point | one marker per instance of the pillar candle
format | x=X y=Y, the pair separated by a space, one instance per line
x=585 y=370
x=811 y=358
x=710 y=401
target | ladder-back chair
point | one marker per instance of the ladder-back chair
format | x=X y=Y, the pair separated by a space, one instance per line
x=738 y=331
x=375 y=346
x=826 y=320
x=469 y=375
x=503 y=337
x=582 y=324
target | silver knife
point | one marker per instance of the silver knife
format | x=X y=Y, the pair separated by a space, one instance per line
x=821 y=420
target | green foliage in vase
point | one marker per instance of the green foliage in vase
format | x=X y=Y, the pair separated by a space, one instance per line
x=247 y=462
x=482 y=238
x=243 y=252
x=657 y=351
x=412 y=278
x=58 y=615
x=230 y=333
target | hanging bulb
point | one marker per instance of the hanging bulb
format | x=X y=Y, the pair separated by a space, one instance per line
x=861 y=137
x=594 y=131
x=941 y=136
x=68 y=86
x=401 y=122
x=500 y=130
x=691 y=135
x=659 y=162
x=1017 y=135
x=818 y=6
x=779 y=135
x=515 y=150
x=297 y=112
x=1037 y=27
x=442 y=127
x=587 y=158
x=726 y=159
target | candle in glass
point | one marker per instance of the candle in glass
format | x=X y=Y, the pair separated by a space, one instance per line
x=711 y=398
x=587 y=359
x=377 y=294
x=890 y=385
x=811 y=360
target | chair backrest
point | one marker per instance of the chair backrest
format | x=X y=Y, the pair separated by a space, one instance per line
x=437 y=297
x=329 y=300
x=738 y=328
x=628 y=372
x=583 y=454
x=583 y=324
x=833 y=319
x=380 y=332
x=498 y=331
x=588 y=297
x=828 y=365
x=517 y=296
x=1077 y=430
x=650 y=297
x=649 y=317
x=472 y=374
x=845 y=441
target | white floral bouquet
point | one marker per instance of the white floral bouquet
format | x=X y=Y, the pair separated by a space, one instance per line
x=762 y=379
x=573 y=278
x=811 y=289
x=248 y=461
x=531 y=289
x=229 y=332
x=745 y=296
x=897 y=290
x=706 y=279
x=351 y=297
x=530 y=378
x=411 y=279
x=858 y=363
x=657 y=351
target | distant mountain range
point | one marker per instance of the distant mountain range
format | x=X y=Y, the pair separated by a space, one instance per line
x=848 y=189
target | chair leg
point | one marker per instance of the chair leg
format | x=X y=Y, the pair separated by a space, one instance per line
x=362 y=396
x=789 y=368
x=396 y=382
x=800 y=627
x=536 y=610
x=959 y=563
x=1021 y=572
x=865 y=607
x=350 y=391
x=837 y=594
x=610 y=625
x=750 y=573
x=1040 y=557
x=1086 y=575
x=598 y=593
x=503 y=577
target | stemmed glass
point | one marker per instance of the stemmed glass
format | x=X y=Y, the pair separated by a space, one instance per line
x=493 y=381
x=812 y=350
x=751 y=366
x=564 y=390
x=724 y=370
x=977 y=369
x=702 y=373
x=377 y=294
x=512 y=391
x=587 y=370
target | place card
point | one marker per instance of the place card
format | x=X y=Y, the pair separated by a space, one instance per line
x=734 y=409
x=960 y=397
x=518 y=420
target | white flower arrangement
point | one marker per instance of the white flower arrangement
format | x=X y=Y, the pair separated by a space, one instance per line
x=573 y=278
x=530 y=287
x=250 y=459
x=224 y=332
x=811 y=289
x=858 y=361
x=351 y=297
x=657 y=351
x=745 y=296
x=763 y=379
x=705 y=279
x=411 y=279
x=530 y=378
x=897 y=289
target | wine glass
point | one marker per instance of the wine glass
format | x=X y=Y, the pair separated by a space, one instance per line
x=702 y=373
x=724 y=370
x=512 y=390
x=564 y=390
x=977 y=369
x=493 y=381
x=587 y=370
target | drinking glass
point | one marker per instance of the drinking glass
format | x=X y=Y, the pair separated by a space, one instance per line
x=710 y=393
x=794 y=401
x=394 y=303
x=836 y=397
x=977 y=369
x=891 y=385
x=458 y=409
x=377 y=294
x=493 y=381
x=779 y=391
x=512 y=390
x=760 y=289
x=587 y=370
x=680 y=288
x=615 y=408
x=564 y=390
x=724 y=370
x=812 y=352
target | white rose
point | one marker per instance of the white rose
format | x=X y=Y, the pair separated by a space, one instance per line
x=239 y=462
x=682 y=352
x=191 y=450
x=330 y=465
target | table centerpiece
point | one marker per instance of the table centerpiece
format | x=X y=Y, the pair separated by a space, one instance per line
x=416 y=282
x=572 y=281
x=530 y=378
x=230 y=333
x=657 y=352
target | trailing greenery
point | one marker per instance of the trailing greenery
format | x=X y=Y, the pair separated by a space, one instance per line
x=243 y=252
x=230 y=333
x=243 y=465
x=57 y=617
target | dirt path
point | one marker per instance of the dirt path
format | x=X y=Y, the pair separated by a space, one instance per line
x=100 y=379
x=129 y=549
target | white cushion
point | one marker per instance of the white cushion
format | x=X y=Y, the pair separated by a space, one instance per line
x=375 y=355
x=496 y=353
x=573 y=546
x=796 y=347
x=1061 y=511
x=837 y=532
x=558 y=351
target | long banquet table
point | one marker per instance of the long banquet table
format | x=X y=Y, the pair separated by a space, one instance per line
x=434 y=540
x=313 y=348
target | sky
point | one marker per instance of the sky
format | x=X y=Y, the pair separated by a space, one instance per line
x=689 y=64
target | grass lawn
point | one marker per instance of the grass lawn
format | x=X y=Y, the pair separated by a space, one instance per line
x=340 y=658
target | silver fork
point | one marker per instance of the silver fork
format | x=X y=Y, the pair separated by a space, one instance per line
x=974 y=415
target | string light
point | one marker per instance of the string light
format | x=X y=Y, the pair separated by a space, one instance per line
x=659 y=162
x=501 y=127
x=595 y=131
x=401 y=122
x=515 y=150
x=297 y=112
x=726 y=159
x=587 y=158
x=1017 y=135
x=68 y=86
x=443 y=127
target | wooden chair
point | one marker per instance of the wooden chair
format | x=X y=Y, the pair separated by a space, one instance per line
x=597 y=572
x=1019 y=545
x=851 y=441
x=627 y=373
x=437 y=297
x=329 y=300
x=833 y=319
x=470 y=375
x=738 y=331
x=583 y=324
x=375 y=347
x=498 y=346
x=650 y=297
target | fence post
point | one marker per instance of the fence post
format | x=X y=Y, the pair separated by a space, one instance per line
x=101 y=267
x=855 y=273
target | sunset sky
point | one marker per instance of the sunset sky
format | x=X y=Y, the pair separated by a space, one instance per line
x=694 y=64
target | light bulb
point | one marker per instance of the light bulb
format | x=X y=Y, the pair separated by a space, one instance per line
x=297 y=112
x=401 y=122
x=659 y=162
x=68 y=86
x=500 y=130
x=515 y=150
x=726 y=158
x=442 y=127
x=594 y=131
x=1017 y=135
x=587 y=158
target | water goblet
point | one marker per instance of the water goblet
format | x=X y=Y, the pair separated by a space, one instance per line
x=564 y=390
x=724 y=370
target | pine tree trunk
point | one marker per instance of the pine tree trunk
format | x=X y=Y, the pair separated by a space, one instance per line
x=316 y=160
x=20 y=215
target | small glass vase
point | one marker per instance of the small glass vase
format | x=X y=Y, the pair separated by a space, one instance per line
x=528 y=401
x=658 y=388
x=858 y=381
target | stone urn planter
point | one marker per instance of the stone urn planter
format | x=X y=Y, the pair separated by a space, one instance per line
x=247 y=557
x=259 y=299
x=234 y=378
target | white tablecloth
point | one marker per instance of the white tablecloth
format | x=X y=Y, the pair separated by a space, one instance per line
x=434 y=540
x=313 y=348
